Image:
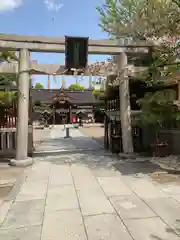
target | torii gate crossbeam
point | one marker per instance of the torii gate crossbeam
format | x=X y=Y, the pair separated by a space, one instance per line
x=57 y=45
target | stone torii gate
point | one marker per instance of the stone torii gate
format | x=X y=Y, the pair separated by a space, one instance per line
x=27 y=44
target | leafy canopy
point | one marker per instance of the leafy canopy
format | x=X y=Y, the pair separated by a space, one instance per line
x=157 y=20
x=159 y=108
x=39 y=85
x=76 y=87
x=140 y=19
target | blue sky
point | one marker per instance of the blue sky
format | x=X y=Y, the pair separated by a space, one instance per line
x=52 y=18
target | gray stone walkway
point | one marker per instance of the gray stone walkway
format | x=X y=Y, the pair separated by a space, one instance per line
x=81 y=196
x=55 y=141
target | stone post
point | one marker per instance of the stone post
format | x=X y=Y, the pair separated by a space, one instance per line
x=90 y=81
x=70 y=114
x=178 y=91
x=23 y=107
x=125 y=107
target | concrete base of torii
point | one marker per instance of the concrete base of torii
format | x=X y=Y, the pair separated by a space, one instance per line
x=21 y=163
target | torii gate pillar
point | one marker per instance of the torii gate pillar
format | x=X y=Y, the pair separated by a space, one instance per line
x=125 y=107
x=23 y=111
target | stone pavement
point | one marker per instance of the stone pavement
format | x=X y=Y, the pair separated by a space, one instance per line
x=81 y=196
x=55 y=142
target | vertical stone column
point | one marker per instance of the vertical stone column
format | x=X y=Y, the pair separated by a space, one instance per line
x=23 y=107
x=90 y=81
x=54 y=115
x=125 y=107
x=178 y=98
x=70 y=114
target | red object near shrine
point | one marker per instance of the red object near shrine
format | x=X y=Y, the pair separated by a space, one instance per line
x=73 y=119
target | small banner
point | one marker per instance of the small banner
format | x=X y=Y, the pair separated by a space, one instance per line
x=76 y=52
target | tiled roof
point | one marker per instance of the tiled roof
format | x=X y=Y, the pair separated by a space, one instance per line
x=75 y=97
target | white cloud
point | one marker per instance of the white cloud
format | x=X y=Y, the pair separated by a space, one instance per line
x=52 y=5
x=7 y=5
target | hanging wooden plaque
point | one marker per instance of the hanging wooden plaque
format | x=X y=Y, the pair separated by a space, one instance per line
x=76 y=52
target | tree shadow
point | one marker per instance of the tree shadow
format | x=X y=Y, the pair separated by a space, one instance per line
x=173 y=232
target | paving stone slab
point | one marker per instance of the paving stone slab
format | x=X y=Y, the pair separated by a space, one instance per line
x=94 y=203
x=24 y=214
x=113 y=186
x=150 y=229
x=83 y=178
x=61 y=198
x=30 y=233
x=106 y=227
x=60 y=175
x=176 y=197
x=4 y=208
x=168 y=209
x=130 y=207
x=39 y=171
x=56 y=141
x=63 y=225
x=144 y=188
x=171 y=189
x=31 y=191
x=16 y=188
x=105 y=171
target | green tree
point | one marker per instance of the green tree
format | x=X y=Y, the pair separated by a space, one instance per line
x=76 y=87
x=177 y=2
x=98 y=93
x=159 y=109
x=7 y=80
x=8 y=56
x=155 y=20
x=139 y=19
x=39 y=86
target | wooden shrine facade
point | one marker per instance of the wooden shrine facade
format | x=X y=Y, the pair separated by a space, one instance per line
x=64 y=105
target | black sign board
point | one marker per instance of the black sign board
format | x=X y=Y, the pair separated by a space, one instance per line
x=76 y=52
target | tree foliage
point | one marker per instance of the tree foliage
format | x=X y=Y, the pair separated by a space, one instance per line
x=6 y=98
x=76 y=87
x=39 y=86
x=8 y=56
x=177 y=2
x=7 y=80
x=98 y=93
x=159 y=109
x=155 y=20
x=139 y=19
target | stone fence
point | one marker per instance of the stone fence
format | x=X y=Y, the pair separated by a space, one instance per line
x=8 y=142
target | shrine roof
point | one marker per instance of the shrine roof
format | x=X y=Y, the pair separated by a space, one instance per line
x=75 y=97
